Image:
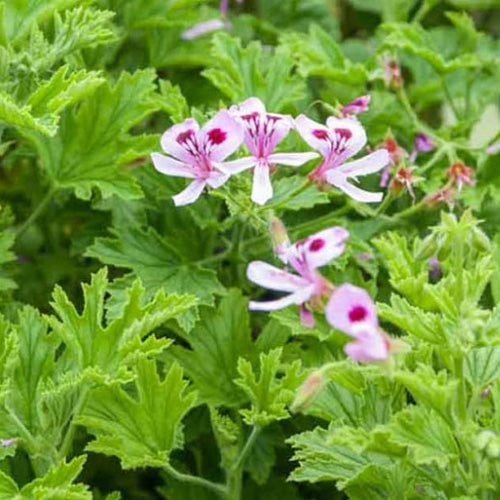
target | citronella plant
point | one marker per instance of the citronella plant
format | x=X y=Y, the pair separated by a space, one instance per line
x=249 y=250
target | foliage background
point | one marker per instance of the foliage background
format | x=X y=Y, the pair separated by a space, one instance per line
x=86 y=89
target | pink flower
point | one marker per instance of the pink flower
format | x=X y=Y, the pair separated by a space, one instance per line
x=359 y=105
x=351 y=310
x=304 y=257
x=204 y=27
x=460 y=174
x=198 y=153
x=423 y=143
x=263 y=132
x=338 y=141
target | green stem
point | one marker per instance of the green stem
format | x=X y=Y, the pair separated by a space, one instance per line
x=449 y=98
x=65 y=448
x=220 y=489
x=459 y=373
x=38 y=210
x=246 y=449
x=385 y=204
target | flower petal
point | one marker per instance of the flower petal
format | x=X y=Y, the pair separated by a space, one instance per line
x=369 y=346
x=306 y=317
x=348 y=307
x=369 y=164
x=169 y=166
x=339 y=180
x=237 y=166
x=176 y=141
x=297 y=298
x=221 y=136
x=291 y=159
x=249 y=106
x=204 y=27
x=320 y=248
x=273 y=278
x=262 y=190
x=349 y=135
x=190 y=194
x=217 y=179
x=315 y=134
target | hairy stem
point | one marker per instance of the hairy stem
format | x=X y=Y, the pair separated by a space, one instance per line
x=246 y=449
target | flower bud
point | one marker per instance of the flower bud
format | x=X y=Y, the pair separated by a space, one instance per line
x=480 y=240
x=359 y=105
x=309 y=390
x=392 y=72
x=427 y=247
x=279 y=238
x=460 y=174
x=442 y=195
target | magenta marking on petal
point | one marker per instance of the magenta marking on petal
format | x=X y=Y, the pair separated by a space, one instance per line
x=320 y=134
x=343 y=133
x=316 y=245
x=217 y=136
x=358 y=313
x=184 y=137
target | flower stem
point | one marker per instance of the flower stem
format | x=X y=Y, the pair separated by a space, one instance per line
x=220 y=489
x=246 y=449
x=38 y=210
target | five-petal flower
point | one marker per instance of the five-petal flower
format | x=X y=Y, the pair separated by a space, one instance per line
x=340 y=139
x=198 y=153
x=304 y=257
x=263 y=132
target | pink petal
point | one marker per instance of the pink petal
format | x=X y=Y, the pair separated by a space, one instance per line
x=320 y=248
x=204 y=27
x=291 y=159
x=249 y=106
x=173 y=143
x=296 y=298
x=338 y=179
x=273 y=278
x=169 y=166
x=349 y=306
x=369 y=164
x=217 y=179
x=316 y=135
x=350 y=127
x=262 y=190
x=237 y=166
x=368 y=346
x=190 y=194
x=221 y=136
x=275 y=128
x=306 y=317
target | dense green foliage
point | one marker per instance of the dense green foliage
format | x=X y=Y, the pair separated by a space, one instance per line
x=130 y=366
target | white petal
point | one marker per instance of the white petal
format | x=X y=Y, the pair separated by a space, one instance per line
x=262 y=190
x=320 y=248
x=297 y=298
x=249 y=106
x=291 y=159
x=237 y=166
x=171 y=140
x=273 y=278
x=339 y=126
x=369 y=164
x=217 y=179
x=339 y=180
x=169 y=166
x=315 y=134
x=190 y=194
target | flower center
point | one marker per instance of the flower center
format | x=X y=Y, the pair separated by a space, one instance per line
x=358 y=313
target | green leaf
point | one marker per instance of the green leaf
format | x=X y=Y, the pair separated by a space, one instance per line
x=8 y=487
x=216 y=343
x=173 y=102
x=93 y=141
x=318 y=54
x=240 y=73
x=140 y=429
x=159 y=263
x=426 y=434
x=482 y=365
x=308 y=198
x=7 y=239
x=268 y=394
x=109 y=348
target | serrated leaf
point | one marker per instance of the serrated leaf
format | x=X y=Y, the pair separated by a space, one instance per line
x=218 y=340
x=143 y=429
x=111 y=347
x=482 y=365
x=268 y=394
x=158 y=262
x=240 y=73
x=93 y=140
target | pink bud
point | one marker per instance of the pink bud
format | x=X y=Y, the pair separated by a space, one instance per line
x=359 y=105
x=309 y=390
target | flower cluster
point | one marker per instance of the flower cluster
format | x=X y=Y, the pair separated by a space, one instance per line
x=200 y=153
x=348 y=308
